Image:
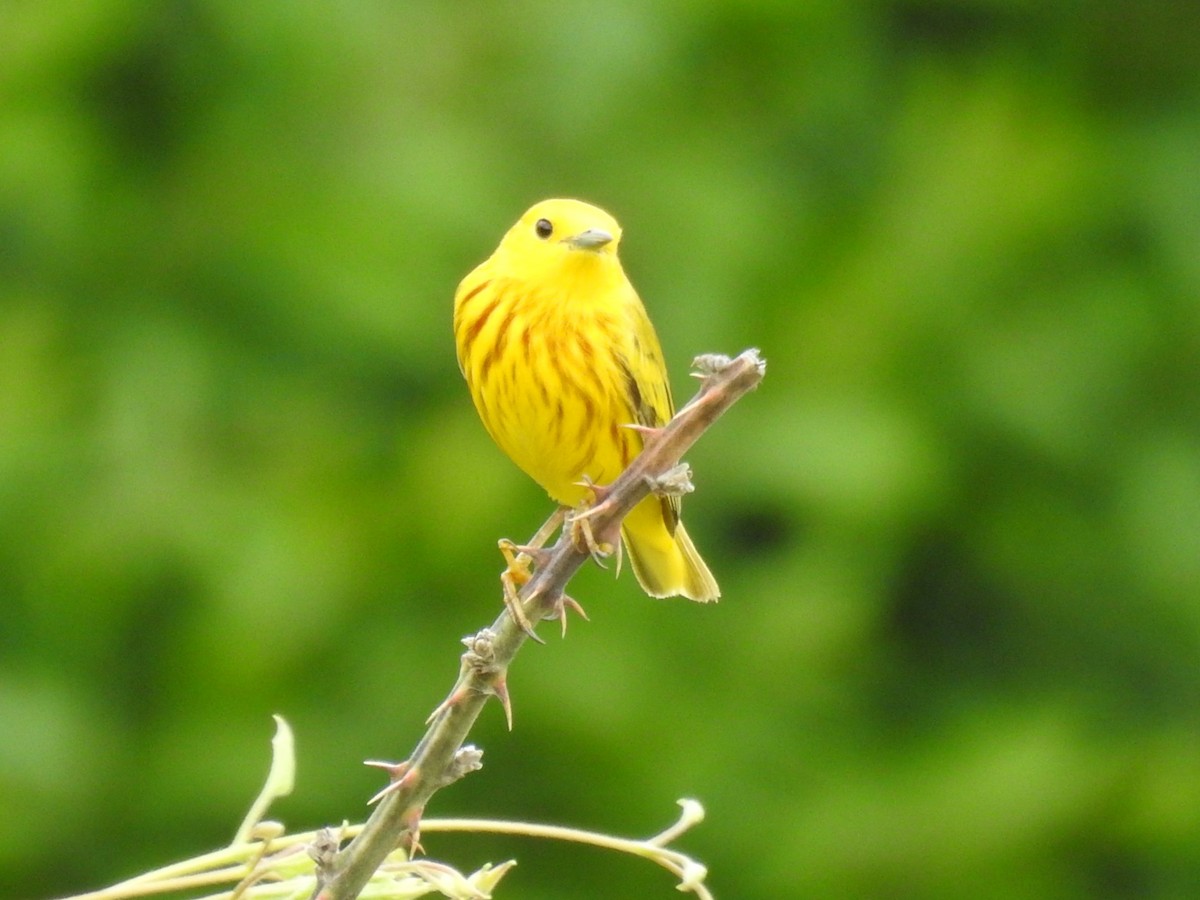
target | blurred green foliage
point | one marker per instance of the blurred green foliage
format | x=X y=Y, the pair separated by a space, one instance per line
x=957 y=529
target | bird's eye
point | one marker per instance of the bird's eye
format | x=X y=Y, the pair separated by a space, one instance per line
x=543 y=228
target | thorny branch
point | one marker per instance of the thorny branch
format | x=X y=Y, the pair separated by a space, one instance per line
x=440 y=757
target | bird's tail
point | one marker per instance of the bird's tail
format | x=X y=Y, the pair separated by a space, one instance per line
x=666 y=565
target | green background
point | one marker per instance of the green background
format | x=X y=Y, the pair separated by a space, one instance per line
x=957 y=528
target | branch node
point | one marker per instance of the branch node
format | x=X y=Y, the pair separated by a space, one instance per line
x=467 y=759
x=481 y=652
x=480 y=660
x=675 y=482
x=706 y=365
x=323 y=850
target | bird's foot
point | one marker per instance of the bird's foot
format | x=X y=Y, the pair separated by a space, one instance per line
x=584 y=538
x=512 y=579
x=518 y=559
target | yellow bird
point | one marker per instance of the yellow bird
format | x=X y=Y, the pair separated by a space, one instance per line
x=559 y=356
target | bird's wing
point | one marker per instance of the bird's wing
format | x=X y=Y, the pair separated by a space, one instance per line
x=648 y=388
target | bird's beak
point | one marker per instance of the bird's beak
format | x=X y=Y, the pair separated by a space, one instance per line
x=592 y=239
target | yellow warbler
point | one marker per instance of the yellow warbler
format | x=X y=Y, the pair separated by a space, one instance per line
x=559 y=355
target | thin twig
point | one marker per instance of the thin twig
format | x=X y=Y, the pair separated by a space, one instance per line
x=655 y=849
x=439 y=758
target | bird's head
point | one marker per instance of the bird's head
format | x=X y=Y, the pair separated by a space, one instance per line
x=563 y=233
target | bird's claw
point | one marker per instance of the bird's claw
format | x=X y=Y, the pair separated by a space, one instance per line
x=522 y=556
x=518 y=558
x=512 y=581
x=584 y=539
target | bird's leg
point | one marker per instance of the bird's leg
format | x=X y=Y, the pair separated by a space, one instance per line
x=532 y=552
x=516 y=574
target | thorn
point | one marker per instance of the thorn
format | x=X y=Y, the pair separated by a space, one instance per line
x=411 y=824
x=395 y=770
x=574 y=605
x=675 y=482
x=400 y=774
x=559 y=611
x=646 y=431
x=450 y=702
x=600 y=492
x=390 y=789
x=500 y=692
